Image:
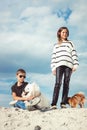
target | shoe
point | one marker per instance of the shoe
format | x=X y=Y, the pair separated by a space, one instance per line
x=12 y=103
x=53 y=107
x=63 y=106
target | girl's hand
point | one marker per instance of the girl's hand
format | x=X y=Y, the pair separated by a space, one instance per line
x=54 y=72
x=73 y=69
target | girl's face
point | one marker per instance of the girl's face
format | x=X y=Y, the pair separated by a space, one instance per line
x=64 y=34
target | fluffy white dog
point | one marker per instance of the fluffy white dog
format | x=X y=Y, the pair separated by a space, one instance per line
x=34 y=90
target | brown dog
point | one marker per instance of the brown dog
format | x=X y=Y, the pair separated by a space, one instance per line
x=77 y=99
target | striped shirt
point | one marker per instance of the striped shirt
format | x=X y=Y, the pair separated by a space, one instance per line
x=64 y=54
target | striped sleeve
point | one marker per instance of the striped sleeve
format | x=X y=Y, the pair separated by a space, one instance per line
x=75 y=57
x=53 y=59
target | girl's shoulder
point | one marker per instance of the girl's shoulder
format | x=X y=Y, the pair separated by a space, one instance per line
x=71 y=43
x=55 y=45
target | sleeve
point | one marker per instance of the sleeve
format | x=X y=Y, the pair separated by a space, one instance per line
x=75 y=57
x=53 y=59
x=13 y=88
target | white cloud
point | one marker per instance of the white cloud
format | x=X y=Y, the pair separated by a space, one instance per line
x=36 y=12
x=24 y=43
x=6 y=20
x=79 y=17
x=4 y=17
x=45 y=80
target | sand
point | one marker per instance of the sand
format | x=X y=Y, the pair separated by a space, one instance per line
x=59 y=119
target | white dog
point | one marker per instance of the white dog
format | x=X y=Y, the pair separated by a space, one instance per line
x=34 y=90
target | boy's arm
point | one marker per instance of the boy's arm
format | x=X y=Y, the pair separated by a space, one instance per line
x=15 y=97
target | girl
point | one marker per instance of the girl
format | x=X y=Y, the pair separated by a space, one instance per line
x=64 y=61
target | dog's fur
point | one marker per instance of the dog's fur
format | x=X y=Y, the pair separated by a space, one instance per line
x=44 y=102
x=34 y=90
x=31 y=90
x=76 y=100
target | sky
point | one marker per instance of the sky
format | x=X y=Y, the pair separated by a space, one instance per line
x=28 y=32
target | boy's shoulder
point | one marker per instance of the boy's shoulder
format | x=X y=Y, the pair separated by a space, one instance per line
x=15 y=84
x=25 y=83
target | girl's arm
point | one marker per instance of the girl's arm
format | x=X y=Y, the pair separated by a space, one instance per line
x=75 y=59
x=53 y=58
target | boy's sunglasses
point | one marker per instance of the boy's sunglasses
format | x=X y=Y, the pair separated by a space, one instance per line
x=22 y=76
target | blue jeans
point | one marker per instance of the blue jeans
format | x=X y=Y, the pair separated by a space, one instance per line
x=20 y=104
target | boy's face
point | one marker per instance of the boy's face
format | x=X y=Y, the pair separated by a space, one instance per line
x=20 y=77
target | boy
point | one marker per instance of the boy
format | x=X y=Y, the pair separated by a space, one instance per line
x=17 y=90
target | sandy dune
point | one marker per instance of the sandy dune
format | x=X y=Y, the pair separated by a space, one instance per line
x=59 y=119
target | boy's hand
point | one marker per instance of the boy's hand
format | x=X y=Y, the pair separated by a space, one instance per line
x=29 y=98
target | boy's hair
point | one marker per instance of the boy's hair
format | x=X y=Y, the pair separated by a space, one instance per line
x=20 y=71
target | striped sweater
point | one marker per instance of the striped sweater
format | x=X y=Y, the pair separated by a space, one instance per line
x=64 y=54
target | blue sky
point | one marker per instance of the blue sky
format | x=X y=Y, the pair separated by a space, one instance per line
x=27 y=35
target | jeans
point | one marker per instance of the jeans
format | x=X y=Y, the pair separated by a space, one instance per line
x=60 y=72
x=20 y=104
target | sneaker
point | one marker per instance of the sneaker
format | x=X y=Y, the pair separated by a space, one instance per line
x=63 y=106
x=53 y=107
x=12 y=103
